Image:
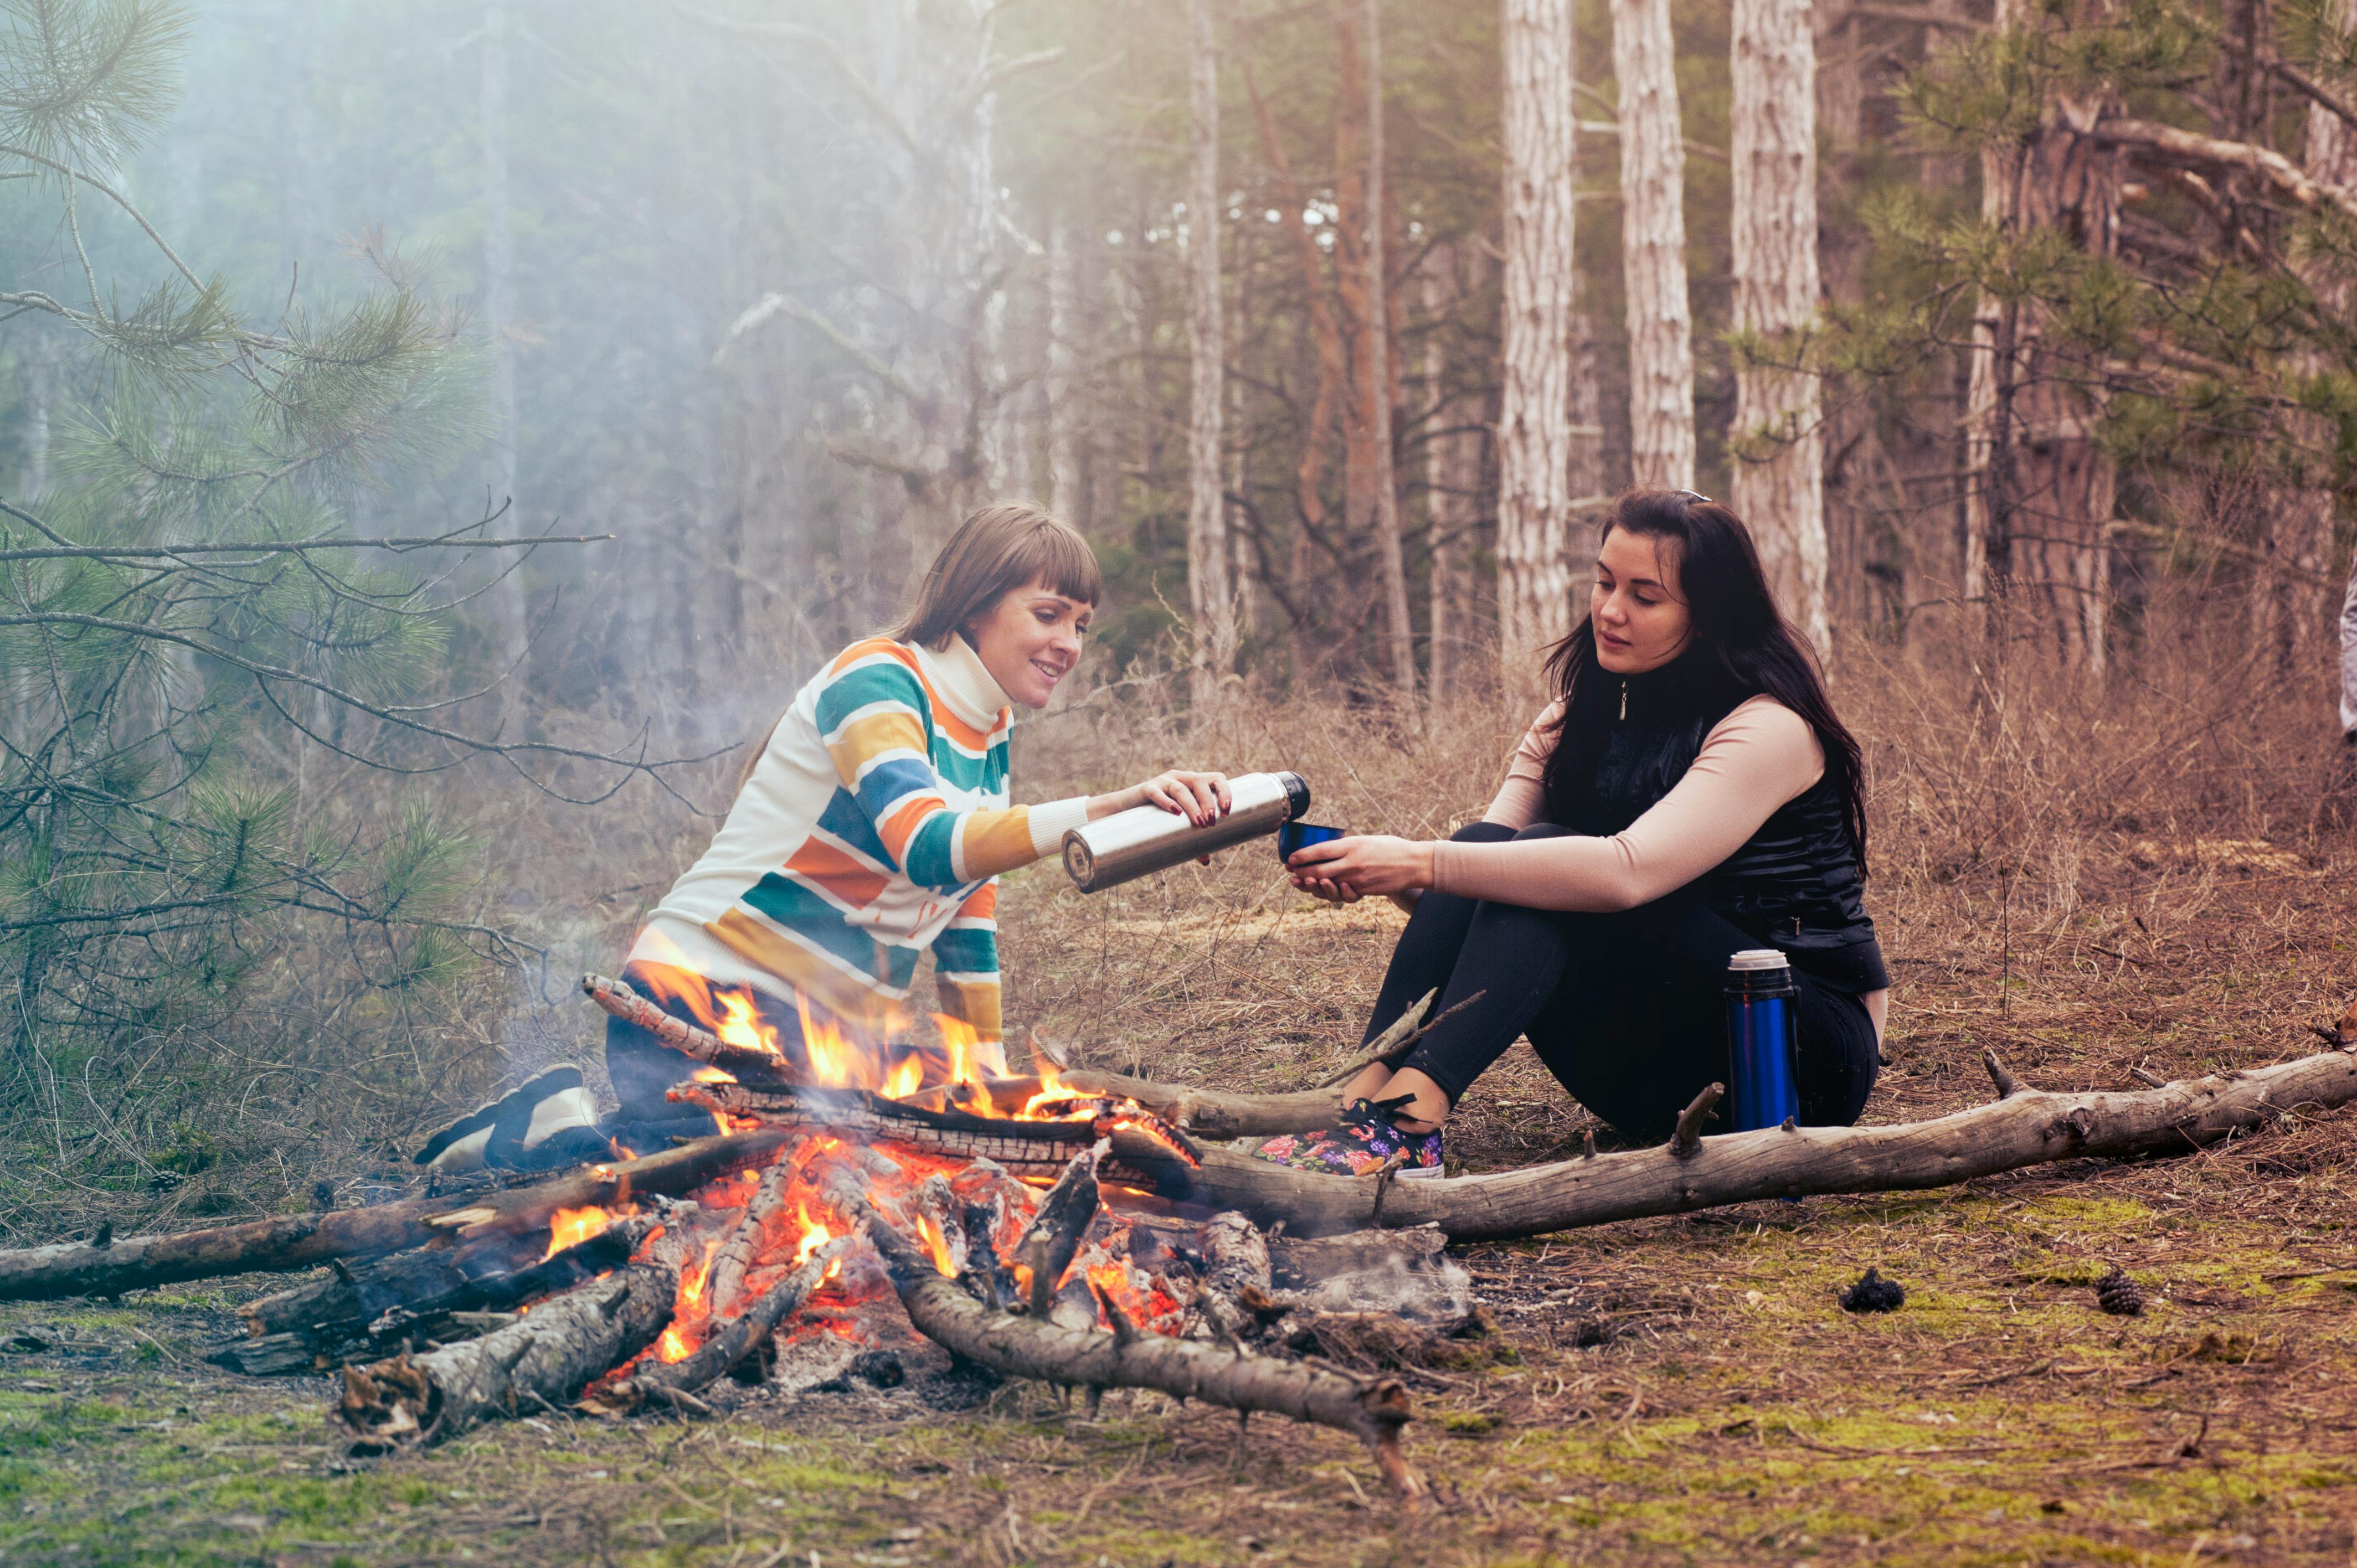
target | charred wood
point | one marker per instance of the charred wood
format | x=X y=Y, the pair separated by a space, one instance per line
x=1053 y=1239
x=303 y=1241
x=1015 y=1345
x=431 y=1293
x=540 y=1361
x=656 y=1383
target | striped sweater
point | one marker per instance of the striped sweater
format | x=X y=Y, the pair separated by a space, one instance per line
x=873 y=829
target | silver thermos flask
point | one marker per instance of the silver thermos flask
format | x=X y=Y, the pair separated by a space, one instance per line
x=1145 y=839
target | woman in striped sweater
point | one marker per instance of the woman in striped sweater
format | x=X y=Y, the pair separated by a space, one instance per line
x=869 y=829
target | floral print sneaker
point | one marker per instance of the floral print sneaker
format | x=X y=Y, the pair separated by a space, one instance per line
x=1364 y=1142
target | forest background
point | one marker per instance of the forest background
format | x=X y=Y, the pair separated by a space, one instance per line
x=2022 y=341
x=2018 y=330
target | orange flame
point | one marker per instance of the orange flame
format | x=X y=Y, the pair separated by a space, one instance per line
x=712 y=1075
x=905 y=1080
x=673 y=1346
x=569 y=1227
x=835 y=1061
x=937 y=1243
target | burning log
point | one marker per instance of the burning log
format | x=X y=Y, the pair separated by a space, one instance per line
x=617 y=997
x=541 y=1360
x=2026 y=1127
x=1036 y=1148
x=1048 y=1248
x=734 y=1259
x=303 y=1242
x=369 y=1310
x=1028 y=1346
x=655 y=1382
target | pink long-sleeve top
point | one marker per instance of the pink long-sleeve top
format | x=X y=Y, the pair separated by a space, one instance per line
x=1752 y=761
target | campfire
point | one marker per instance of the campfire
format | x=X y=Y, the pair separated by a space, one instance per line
x=1029 y=1226
x=853 y=1204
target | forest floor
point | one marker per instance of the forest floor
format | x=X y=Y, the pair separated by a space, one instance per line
x=1670 y=1390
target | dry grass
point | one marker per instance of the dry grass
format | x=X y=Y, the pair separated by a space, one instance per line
x=2087 y=883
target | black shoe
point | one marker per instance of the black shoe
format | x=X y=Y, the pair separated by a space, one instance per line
x=511 y=1132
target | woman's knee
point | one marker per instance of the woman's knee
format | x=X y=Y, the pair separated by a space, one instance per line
x=1483 y=832
x=1542 y=831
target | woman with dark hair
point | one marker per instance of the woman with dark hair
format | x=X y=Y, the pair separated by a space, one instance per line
x=1689 y=794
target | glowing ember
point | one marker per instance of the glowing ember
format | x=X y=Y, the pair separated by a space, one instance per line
x=570 y=1227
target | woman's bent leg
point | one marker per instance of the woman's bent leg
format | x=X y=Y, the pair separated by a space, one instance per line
x=1509 y=962
x=1425 y=954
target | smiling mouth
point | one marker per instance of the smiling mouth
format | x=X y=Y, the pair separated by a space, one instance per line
x=1051 y=675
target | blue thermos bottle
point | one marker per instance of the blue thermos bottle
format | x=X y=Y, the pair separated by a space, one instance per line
x=1762 y=1036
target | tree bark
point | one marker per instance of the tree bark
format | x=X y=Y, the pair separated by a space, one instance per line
x=2027 y=1127
x=538 y=1362
x=1534 y=427
x=1377 y=398
x=508 y=602
x=1065 y=443
x=1653 y=247
x=2299 y=531
x=1452 y=468
x=1211 y=596
x=1779 y=482
x=2040 y=489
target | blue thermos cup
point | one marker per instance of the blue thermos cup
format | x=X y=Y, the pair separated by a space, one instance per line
x=1762 y=1036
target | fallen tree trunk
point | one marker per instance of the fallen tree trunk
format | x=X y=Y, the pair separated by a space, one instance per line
x=2024 y=1127
x=540 y=1361
x=278 y=1246
x=1024 y=1346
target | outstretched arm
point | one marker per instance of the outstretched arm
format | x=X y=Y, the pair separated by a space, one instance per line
x=1754 y=760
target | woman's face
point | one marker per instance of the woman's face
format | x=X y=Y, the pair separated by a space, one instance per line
x=1640 y=618
x=1029 y=640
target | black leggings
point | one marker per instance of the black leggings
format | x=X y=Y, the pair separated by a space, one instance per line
x=1626 y=1009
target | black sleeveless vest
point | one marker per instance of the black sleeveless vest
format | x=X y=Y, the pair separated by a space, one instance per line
x=1794 y=885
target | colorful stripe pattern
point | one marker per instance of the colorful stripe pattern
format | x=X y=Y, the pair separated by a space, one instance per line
x=870 y=832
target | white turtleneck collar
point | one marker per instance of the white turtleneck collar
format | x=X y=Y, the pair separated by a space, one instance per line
x=964 y=683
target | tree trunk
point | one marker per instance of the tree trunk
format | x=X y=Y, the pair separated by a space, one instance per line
x=508 y=604
x=2040 y=489
x=2291 y=606
x=1452 y=468
x=1534 y=433
x=1378 y=374
x=1210 y=595
x=1653 y=247
x=1779 y=482
x=1065 y=477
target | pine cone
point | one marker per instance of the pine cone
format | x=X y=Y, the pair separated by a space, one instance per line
x=1874 y=1294
x=2118 y=1295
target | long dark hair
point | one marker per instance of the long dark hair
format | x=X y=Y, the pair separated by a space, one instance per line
x=1740 y=639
